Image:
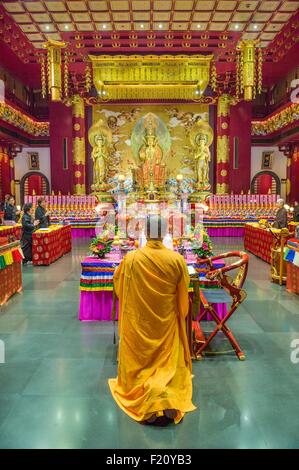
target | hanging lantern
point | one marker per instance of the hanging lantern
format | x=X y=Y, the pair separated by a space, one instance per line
x=249 y=70
x=43 y=76
x=66 y=74
x=213 y=81
x=260 y=70
x=54 y=68
x=87 y=78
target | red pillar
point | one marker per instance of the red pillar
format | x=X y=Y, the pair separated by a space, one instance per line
x=78 y=122
x=223 y=148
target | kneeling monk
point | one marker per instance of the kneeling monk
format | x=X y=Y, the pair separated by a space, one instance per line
x=154 y=369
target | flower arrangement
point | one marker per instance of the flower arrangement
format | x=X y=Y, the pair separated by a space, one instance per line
x=100 y=246
x=201 y=243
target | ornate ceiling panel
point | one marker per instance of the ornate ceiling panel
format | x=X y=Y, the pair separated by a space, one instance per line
x=123 y=15
x=149 y=26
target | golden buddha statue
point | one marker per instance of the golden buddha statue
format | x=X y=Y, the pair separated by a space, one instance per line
x=151 y=173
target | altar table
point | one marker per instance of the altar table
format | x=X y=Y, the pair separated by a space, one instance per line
x=220 y=230
x=50 y=244
x=13 y=230
x=215 y=231
x=10 y=270
x=83 y=232
x=223 y=231
x=215 y=226
x=258 y=241
x=96 y=288
x=81 y=227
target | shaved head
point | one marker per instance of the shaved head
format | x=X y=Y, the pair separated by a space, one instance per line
x=156 y=227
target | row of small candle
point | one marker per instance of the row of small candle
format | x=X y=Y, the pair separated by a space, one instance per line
x=237 y=201
x=218 y=205
x=62 y=202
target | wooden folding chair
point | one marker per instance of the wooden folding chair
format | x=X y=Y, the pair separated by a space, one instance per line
x=234 y=291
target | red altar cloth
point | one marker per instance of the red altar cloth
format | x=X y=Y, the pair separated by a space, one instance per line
x=49 y=245
x=226 y=232
x=96 y=286
x=292 y=278
x=14 y=230
x=258 y=241
x=11 y=275
x=97 y=306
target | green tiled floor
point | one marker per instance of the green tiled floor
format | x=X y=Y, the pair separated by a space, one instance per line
x=53 y=386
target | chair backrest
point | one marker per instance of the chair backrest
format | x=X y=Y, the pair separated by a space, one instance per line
x=232 y=286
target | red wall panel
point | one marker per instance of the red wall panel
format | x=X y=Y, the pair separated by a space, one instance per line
x=60 y=128
x=240 y=126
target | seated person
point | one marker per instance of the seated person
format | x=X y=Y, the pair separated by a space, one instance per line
x=281 y=218
x=11 y=214
x=28 y=225
x=41 y=213
x=154 y=382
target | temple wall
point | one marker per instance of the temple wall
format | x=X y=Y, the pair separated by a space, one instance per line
x=22 y=162
x=22 y=167
x=279 y=163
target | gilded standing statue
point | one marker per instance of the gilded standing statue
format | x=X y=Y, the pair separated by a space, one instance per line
x=202 y=157
x=201 y=137
x=100 y=138
x=99 y=156
x=150 y=156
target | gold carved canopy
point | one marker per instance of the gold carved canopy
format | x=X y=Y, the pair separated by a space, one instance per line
x=151 y=77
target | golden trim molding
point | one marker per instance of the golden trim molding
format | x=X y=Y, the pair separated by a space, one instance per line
x=277 y=121
x=223 y=149
x=22 y=121
x=223 y=105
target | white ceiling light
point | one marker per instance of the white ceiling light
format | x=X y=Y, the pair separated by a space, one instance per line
x=160 y=26
x=104 y=26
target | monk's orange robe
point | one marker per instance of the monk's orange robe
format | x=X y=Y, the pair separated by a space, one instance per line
x=154 y=368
